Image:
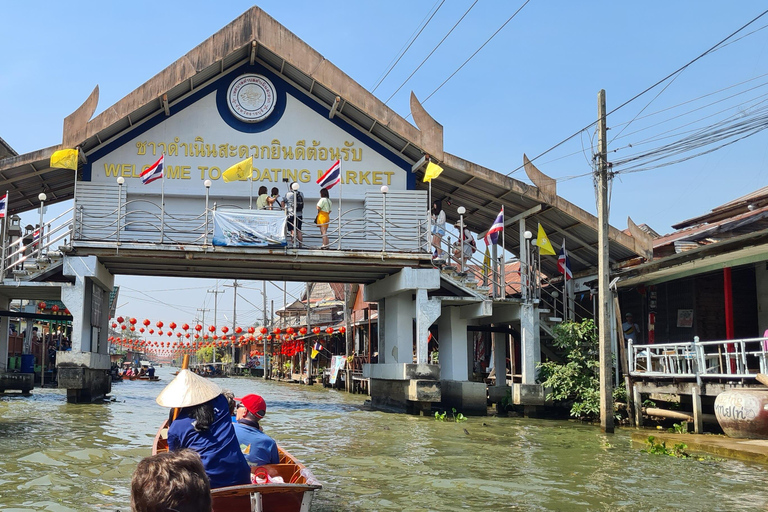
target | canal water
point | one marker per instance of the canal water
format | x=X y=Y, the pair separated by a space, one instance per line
x=56 y=456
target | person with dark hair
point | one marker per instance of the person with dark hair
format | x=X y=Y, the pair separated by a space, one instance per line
x=258 y=447
x=264 y=202
x=278 y=203
x=230 y=396
x=171 y=481
x=324 y=214
x=204 y=425
x=438 y=228
x=294 y=225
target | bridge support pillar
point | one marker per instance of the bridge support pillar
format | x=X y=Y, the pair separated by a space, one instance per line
x=529 y=392
x=456 y=359
x=396 y=382
x=84 y=371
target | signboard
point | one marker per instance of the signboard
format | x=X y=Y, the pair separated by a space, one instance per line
x=337 y=363
x=247 y=113
x=252 y=228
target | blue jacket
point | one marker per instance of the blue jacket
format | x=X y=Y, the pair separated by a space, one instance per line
x=218 y=447
x=258 y=447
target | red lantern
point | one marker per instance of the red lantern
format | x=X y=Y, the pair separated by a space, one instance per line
x=159 y=324
x=225 y=329
x=186 y=335
x=185 y=327
x=277 y=330
x=146 y=322
x=119 y=319
x=133 y=328
x=66 y=311
x=123 y=327
x=141 y=330
x=238 y=329
x=329 y=330
x=151 y=331
x=290 y=330
x=211 y=328
x=160 y=333
x=263 y=330
x=198 y=327
x=114 y=325
x=55 y=308
x=132 y=321
x=342 y=329
x=316 y=330
x=303 y=331
x=172 y=325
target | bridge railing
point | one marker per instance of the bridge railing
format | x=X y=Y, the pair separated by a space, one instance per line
x=41 y=243
x=728 y=359
x=381 y=224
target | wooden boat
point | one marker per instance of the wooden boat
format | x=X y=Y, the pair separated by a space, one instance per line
x=147 y=377
x=294 y=495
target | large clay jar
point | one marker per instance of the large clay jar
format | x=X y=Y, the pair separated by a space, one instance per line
x=743 y=413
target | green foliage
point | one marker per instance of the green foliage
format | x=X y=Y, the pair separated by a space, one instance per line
x=679 y=428
x=507 y=400
x=440 y=416
x=649 y=403
x=661 y=448
x=457 y=416
x=578 y=378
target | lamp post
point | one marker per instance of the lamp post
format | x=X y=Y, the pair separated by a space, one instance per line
x=42 y=197
x=384 y=191
x=120 y=182
x=526 y=280
x=207 y=184
x=461 y=211
x=295 y=189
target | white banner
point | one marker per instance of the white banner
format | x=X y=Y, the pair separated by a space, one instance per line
x=253 y=228
x=337 y=363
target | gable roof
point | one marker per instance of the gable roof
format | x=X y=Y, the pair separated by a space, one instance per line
x=256 y=37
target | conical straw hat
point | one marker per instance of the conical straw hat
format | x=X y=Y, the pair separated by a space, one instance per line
x=188 y=389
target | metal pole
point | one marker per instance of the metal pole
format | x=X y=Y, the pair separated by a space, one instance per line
x=207 y=191
x=3 y=265
x=42 y=198
x=162 y=208
x=384 y=191
x=264 y=310
x=503 y=269
x=461 y=243
x=119 y=206
x=215 y=293
x=606 y=384
x=306 y=345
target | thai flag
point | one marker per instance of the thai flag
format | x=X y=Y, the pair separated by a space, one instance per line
x=564 y=263
x=36 y=236
x=153 y=172
x=4 y=205
x=492 y=237
x=331 y=177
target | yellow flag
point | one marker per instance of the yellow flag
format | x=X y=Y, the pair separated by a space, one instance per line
x=542 y=241
x=487 y=262
x=64 y=159
x=432 y=172
x=240 y=171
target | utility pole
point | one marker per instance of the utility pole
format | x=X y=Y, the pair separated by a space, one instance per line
x=604 y=326
x=264 y=310
x=215 y=293
x=234 y=286
x=202 y=310
x=307 y=347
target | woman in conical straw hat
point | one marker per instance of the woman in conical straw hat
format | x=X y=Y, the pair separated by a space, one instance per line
x=203 y=424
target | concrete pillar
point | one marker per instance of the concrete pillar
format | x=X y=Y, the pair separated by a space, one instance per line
x=4 y=321
x=530 y=343
x=638 y=399
x=499 y=341
x=426 y=311
x=698 y=416
x=452 y=331
x=398 y=325
x=761 y=282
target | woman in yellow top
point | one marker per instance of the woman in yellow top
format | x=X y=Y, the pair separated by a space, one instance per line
x=324 y=214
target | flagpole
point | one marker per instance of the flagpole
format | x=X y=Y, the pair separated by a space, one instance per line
x=565 y=282
x=429 y=221
x=162 y=202
x=5 y=234
x=341 y=182
x=503 y=272
x=250 y=194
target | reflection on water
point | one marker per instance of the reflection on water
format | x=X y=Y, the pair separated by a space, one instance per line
x=61 y=457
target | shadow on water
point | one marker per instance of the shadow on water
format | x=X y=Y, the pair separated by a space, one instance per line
x=69 y=457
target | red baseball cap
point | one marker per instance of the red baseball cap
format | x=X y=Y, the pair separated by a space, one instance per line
x=255 y=405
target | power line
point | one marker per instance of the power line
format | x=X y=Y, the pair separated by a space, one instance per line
x=633 y=98
x=404 y=51
x=433 y=51
x=476 y=51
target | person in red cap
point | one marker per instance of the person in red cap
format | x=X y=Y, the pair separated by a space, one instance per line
x=258 y=447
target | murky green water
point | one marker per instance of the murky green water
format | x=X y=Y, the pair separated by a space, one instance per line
x=60 y=457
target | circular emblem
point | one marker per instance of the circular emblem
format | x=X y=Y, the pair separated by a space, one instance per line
x=251 y=98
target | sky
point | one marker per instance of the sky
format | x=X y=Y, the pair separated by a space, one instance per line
x=530 y=87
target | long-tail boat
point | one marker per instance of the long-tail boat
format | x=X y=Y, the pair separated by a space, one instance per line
x=293 y=494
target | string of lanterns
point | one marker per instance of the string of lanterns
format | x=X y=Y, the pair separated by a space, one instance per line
x=192 y=338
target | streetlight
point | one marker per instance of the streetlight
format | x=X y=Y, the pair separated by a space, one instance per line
x=461 y=211
x=526 y=280
x=295 y=188
x=42 y=197
x=384 y=191
x=207 y=184
x=120 y=182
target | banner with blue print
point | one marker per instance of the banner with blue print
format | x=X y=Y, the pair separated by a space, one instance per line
x=337 y=363
x=253 y=228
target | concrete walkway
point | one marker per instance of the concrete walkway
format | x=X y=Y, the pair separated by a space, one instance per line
x=752 y=450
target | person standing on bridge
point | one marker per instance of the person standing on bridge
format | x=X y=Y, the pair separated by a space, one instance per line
x=204 y=425
x=438 y=228
x=294 y=225
x=324 y=214
x=264 y=202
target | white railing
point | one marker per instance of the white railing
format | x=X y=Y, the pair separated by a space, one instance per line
x=728 y=359
x=17 y=253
